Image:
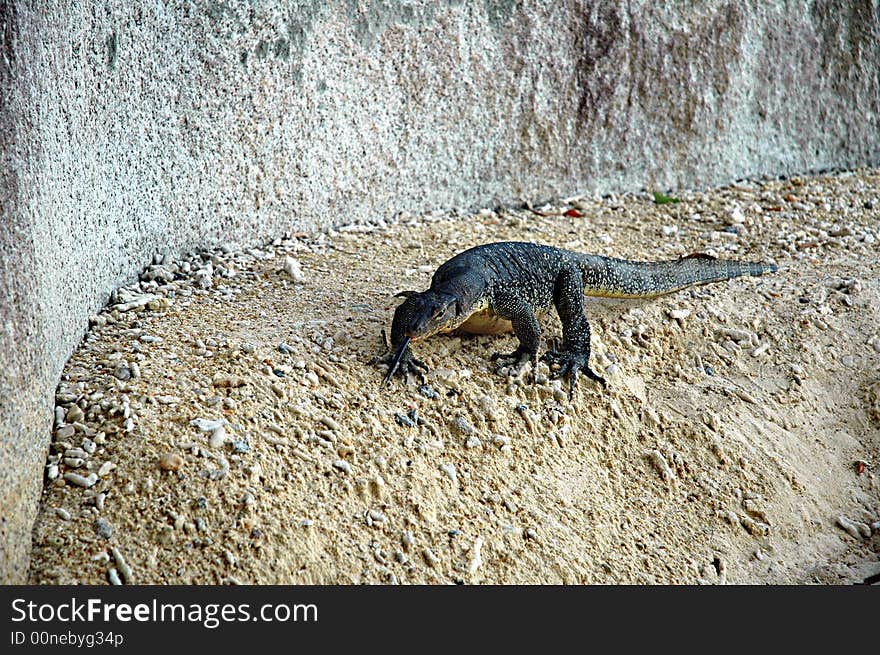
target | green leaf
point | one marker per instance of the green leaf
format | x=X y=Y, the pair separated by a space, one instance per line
x=662 y=199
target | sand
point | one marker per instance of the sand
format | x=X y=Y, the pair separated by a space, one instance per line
x=237 y=432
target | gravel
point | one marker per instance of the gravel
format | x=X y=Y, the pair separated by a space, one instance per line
x=229 y=395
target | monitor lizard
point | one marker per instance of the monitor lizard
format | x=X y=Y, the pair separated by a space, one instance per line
x=498 y=287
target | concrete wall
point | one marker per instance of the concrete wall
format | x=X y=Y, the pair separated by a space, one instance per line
x=127 y=129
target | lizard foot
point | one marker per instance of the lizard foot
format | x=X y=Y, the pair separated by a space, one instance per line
x=517 y=361
x=569 y=364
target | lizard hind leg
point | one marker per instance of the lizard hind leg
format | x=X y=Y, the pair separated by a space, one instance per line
x=574 y=357
x=525 y=326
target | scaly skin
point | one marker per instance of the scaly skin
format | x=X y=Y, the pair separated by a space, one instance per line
x=500 y=286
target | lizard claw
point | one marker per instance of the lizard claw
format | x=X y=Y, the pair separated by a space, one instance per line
x=569 y=364
x=517 y=360
x=402 y=361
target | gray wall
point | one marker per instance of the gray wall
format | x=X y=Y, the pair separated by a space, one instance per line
x=126 y=129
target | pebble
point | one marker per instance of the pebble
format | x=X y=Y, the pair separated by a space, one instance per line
x=294 y=269
x=754 y=527
x=74 y=414
x=678 y=314
x=124 y=568
x=52 y=471
x=62 y=513
x=223 y=380
x=661 y=465
x=856 y=529
x=760 y=350
x=449 y=470
x=102 y=528
x=122 y=371
x=739 y=335
x=431 y=559
x=106 y=467
x=462 y=426
x=208 y=425
x=218 y=438
x=343 y=466
x=80 y=481
x=130 y=300
x=170 y=461
x=403 y=420
x=330 y=423
x=736 y=215
x=113 y=576
x=476 y=559
x=473 y=442
x=428 y=392
x=746 y=396
x=65 y=432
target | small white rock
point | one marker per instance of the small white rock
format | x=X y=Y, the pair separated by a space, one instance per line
x=476 y=559
x=449 y=470
x=80 y=481
x=661 y=465
x=294 y=269
x=856 y=529
x=113 y=576
x=430 y=557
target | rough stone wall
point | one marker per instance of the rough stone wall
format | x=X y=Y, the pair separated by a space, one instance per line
x=128 y=128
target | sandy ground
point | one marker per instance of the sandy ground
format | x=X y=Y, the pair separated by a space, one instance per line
x=233 y=428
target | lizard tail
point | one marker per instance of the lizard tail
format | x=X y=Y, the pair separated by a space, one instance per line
x=621 y=278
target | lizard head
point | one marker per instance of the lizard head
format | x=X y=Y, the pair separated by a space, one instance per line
x=423 y=314
x=419 y=316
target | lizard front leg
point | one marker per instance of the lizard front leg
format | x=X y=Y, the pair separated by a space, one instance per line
x=525 y=326
x=406 y=362
x=568 y=297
